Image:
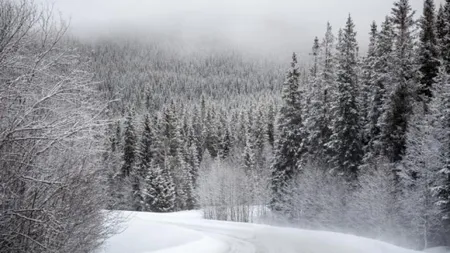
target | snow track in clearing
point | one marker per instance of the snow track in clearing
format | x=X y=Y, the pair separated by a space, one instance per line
x=187 y=232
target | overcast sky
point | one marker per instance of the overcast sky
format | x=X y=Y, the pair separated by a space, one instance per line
x=258 y=25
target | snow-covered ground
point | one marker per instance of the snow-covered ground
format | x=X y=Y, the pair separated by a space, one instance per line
x=187 y=232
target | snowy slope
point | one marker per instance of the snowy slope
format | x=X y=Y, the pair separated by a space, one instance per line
x=187 y=232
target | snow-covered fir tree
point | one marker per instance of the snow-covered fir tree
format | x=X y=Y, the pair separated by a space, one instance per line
x=129 y=146
x=345 y=140
x=290 y=146
x=397 y=107
x=159 y=191
x=428 y=50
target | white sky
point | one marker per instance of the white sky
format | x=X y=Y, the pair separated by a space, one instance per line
x=264 y=25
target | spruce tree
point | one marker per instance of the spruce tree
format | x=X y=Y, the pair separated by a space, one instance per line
x=271 y=125
x=428 y=50
x=440 y=107
x=129 y=148
x=368 y=82
x=159 y=193
x=197 y=135
x=397 y=108
x=290 y=146
x=315 y=54
x=444 y=35
x=212 y=136
x=318 y=121
x=381 y=80
x=345 y=141
x=441 y=23
x=224 y=136
x=144 y=158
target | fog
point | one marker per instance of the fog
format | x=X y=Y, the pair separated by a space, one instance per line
x=264 y=26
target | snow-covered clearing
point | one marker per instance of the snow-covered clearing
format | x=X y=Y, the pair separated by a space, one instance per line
x=187 y=232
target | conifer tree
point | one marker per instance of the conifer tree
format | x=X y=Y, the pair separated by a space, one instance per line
x=271 y=125
x=444 y=35
x=381 y=80
x=159 y=193
x=224 y=144
x=441 y=23
x=428 y=50
x=315 y=54
x=318 y=121
x=441 y=115
x=290 y=145
x=197 y=135
x=129 y=148
x=345 y=140
x=211 y=129
x=145 y=155
x=397 y=107
x=368 y=81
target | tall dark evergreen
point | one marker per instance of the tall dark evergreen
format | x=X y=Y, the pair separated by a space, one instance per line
x=271 y=125
x=368 y=80
x=159 y=191
x=290 y=145
x=428 y=50
x=315 y=54
x=129 y=147
x=441 y=115
x=345 y=141
x=398 y=105
x=440 y=26
x=145 y=155
x=381 y=80
x=318 y=121
x=443 y=29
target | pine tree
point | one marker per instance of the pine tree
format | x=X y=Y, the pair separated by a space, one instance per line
x=184 y=188
x=249 y=152
x=171 y=132
x=441 y=115
x=144 y=158
x=441 y=23
x=224 y=144
x=158 y=150
x=194 y=164
x=368 y=83
x=397 y=108
x=116 y=138
x=197 y=128
x=428 y=49
x=129 y=147
x=271 y=125
x=315 y=54
x=444 y=35
x=211 y=129
x=290 y=145
x=159 y=193
x=381 y=80
x=318 y=121
x=345 y=140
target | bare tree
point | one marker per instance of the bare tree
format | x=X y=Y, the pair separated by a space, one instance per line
x=50 y=127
